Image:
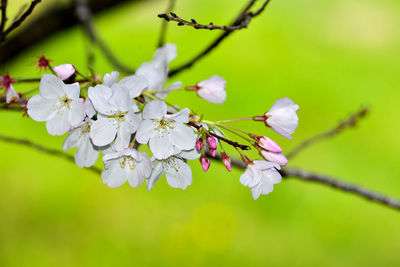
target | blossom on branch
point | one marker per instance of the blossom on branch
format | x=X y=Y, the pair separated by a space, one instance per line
x=64 y=71
x=212 y=89
x=282 y=117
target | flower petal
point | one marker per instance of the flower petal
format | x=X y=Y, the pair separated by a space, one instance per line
x=160 y=146
x=182 y=137
x=103 y=131
x=72 y=90
x=40 y=108
x=86 y=154
x=72 y=139
x=99 y=95
x=51 y=86
x=135 y=84
x=76 y=112
x=178 y=174
x=182 y=116
x=155 y=110
x=59 y=124
x=155 y=175
x=113 y=175
x=145 y=131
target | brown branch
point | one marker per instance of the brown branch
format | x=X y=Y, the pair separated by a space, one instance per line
x=346 y=124
x=164 y=25
x=193 y=23
x=85 y=17
x=3 y=7
x=243 y=16
x=19 y=21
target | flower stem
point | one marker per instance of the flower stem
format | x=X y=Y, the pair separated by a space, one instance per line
x=240 y=119
x=165 y=90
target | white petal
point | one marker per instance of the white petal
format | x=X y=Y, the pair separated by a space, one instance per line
x=72 y=90
x=135 y=84
x=72 y=139
x=283 y=103
x=167 y=53
x=88 y=107
x=250 y=177
x=160 y=146
x=154 y=75
x=103 y=131
x=11 y=94
x=86 y=154
x=113 y=175
x=110 y=78
x=59 y=124
x=77 y=112
x=182 y=137
x=182 y=116
x=190 y=154
x=155 y=110
x=51 y=86
x=120 y=97
x=40 y=108
x=99 y=95
x=155 y=175
x=145 y=131
x=132 y=122
x=123 y=138
x=144 y=166
x=178 y=174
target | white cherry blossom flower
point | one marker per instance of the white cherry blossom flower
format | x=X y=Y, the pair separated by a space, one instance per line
x=166 y=134
x=110 y=78
x=116 y=118
x=212 y=90
x=282 y=117
x=260 y=176
x=58 y=104
x=126 y=165
x=11 y=94
x=177 y=171
x=86 y=153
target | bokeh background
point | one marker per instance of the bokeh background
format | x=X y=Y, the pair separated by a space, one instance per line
x=330 y=57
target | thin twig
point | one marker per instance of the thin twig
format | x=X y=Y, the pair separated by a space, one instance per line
x=243 y=15
x=43 y=149
x=346 y=124
x=3 y=7
x=164 y=24
x=21 y=19
x=85 y=16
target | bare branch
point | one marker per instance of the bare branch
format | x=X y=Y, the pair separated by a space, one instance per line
x=241 y=18
x=164 y=25
x=85 y=16
x=346 y=124
x=21 y=19
x=3 y=6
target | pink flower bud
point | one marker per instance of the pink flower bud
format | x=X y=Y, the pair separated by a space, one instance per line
x=212 y=143
x=278 y=158
x=199 y=144
x=213 y=152
x=212 y=90
x=205 y=162
x=268 y=144
x=227 y=161
x=64 y=71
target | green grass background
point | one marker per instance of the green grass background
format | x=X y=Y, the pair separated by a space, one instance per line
x=329 y=56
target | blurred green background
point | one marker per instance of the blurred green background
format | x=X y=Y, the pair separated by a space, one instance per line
x=330 y=57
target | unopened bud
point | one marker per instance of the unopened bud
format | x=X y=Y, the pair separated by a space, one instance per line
x=227 y=161
x=268 y=144
x=278 y=158
x=213 y=152
x=212 y=143
x=199 y=144
x=205 y=162
x=64 y=71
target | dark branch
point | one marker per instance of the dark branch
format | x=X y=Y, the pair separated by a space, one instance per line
x=21 y=19
x=193 y=23
x=241 y=18
x=3 y=7
x=164 y=25
x=346 y=124
x=85 y=16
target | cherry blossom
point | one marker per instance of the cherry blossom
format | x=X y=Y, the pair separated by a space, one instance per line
x=86 y=153
x=177 y=171
x=282 y=117
x=212 y=90
x=64 y=71
x=6 y=82
x=126 y=165
x=166 y=134
x=278 y=158
x=116 y=118
x=58 y=104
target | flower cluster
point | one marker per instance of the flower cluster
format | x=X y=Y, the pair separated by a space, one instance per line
x=114 y=116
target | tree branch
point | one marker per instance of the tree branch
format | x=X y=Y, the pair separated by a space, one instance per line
x=164 y=25
x=346 y=124
x=85 y=17
x=286 y=172
x=243 y=16
x=3 y=6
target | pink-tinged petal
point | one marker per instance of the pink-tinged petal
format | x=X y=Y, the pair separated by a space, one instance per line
x=72 y=90
x=145 y=131
x=103 y=131
x=264 y=165
x=227 y=161
x=160 y=146
x=282 y=117
x=205 y=162
x=40 y=109
x=199 y=144
x=182 y=137
x=278 y=158
x=99 y=95
x=135 y=84
x=76 y=112
x=59 y=124
x=212 y=90
x=212 y=143
x=155 y=110
x=11 y=95
x=182 y=116
x=51 y=86
x=283 y=103
x=269 y=144
x=64 y=71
